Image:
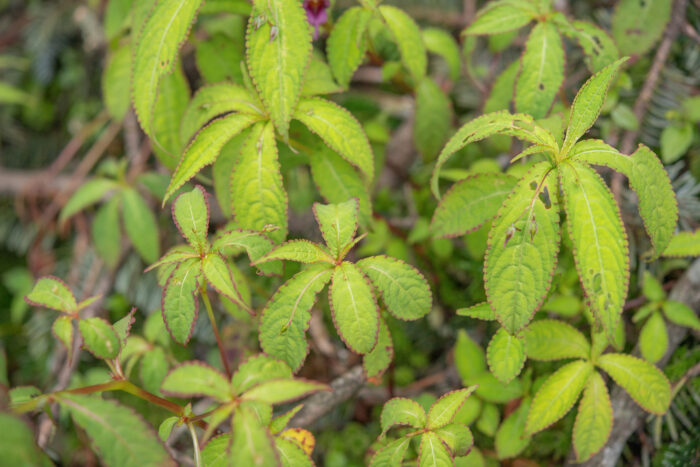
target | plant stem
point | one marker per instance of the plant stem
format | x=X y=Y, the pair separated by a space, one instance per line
x=219 y=342
x=195 y=443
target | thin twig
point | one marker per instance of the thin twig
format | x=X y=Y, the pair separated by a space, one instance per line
x=212 y=319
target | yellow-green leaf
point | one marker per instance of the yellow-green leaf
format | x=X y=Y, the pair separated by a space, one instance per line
x=338 y=224
x=408 y=39
x=505 y=355
x=549 y=339
x=347 y=43
x=653 y=338
x=594 y=419
x=191 y=215
x=194 y=379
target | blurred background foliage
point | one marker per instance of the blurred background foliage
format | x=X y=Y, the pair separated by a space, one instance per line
x=55 y=133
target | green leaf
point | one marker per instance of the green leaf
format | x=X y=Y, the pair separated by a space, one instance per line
x=256 y=370
x=176 y=254
x=433 y=119
x=440 y=42
x=681 y=314
x=153 y=369
x=599 y=241
x=179 y=303
x=637 y=25
x=408 y=39
x=166 y=427
x=378 y=360
x=403 y=288
x=205 y=147
x=594 y=419
x=392 y=454
x=88 y=194
x=216 y=452
x=653 y=338
x=279 y=42
x=106 y=234
x=457 y=437
x=219 y=59
x=518 y=125
x=648 y=178
x=283 y=390
x=505 y=355
x=99 y=338
x=17 y=446
x=501 y=94
x=470 y=203
x=140 y=225
x=251 y=444
x=683 y=244
x=173 y=96
x=557 y=395
x=470 y=359
x=116 y=82
x=597 y=45
x=319 y=79
x=541 y=71
x=62 y=329
x=433 y=452
x=338 y=224
x=191 y=215
x=354 y=308
x=257 y=193
x=588 y=102
x=218 y=275
x=652 y=288
x=221 y=171
x=443 y=411
x=52 y=292
x=338 y=181
x=675 y=141
x=193 y=379
x=402 y=411
x=522 y=248
x=213 y=100
x=645 y=383
x=256 y=245
x=302 y=251
x=501 y=16
x=347 y=43
x=481 y=311
x=339 y=129
x=280 y=422
x=510 y=438
x=548 y=339
x=156 y=50
x=291 y=455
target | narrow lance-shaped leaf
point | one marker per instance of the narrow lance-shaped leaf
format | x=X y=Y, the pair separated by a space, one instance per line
x=339 y=129
x=443 y=411
x=62 y=329
x=648 y=178
x=173 y=96
x=542 y=71
x=302 y=251
x=197 y=379
x=506 y=355
x=252 y=444
x=588 y=102
x=647 y=385
x=470 y=203
x=257 y=193
x=156 y=50
x=179 y=303
x=218 y=275
x=256 y=244
x=681 y=314
x=522 y=248
x=206 y=146
x=213 y=100
x=88 y=194
x=106 y=234
x=256 y=370
x=391 y=454
x=279 y=391
x=594 y=419
x=683 y=244
x=599 y=47
x=140 y=225
x=278 y=49
x=354 y=308
x=403 y=289
x=285 y=318
x=433 y=451
x=408 y=39
x=338 y=224
x=347 y=43
x=191 y=215
x=502 y=16
x=599 y=240
x=557 y=395
x=548 y=339
x=433 y=118
x=378 y=360
x=442 y=43
x=510 y=439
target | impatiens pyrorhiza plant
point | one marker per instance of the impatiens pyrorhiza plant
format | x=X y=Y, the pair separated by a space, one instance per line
x=523 y=242
x=351 y=295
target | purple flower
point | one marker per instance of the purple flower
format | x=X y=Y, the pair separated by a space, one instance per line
x=316 y=13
